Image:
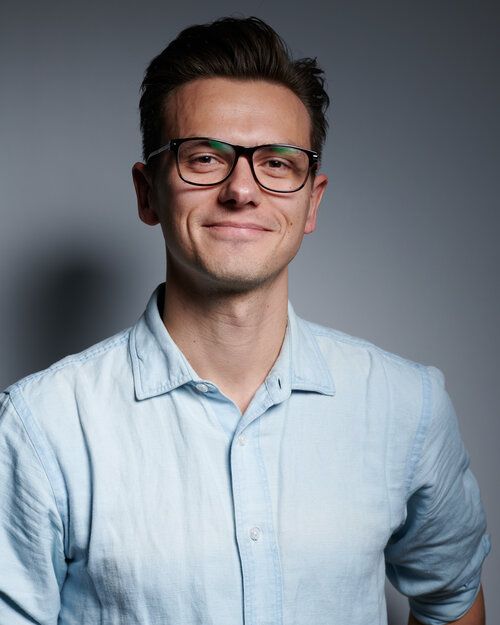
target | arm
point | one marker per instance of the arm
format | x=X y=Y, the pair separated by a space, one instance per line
x=435 y=558
x=475 y=616
x=32 y=563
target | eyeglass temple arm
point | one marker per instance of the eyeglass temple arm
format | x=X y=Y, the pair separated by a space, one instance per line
x=159 y=150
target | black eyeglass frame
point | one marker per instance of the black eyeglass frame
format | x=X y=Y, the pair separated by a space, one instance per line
x=240 y=150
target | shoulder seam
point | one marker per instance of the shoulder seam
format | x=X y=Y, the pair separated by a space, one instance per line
x=33 y=437
x=79 y=358
x=422 y=427
x=341 y=337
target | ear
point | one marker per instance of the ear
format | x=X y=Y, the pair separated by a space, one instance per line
x=318 y=188
x=143 y=184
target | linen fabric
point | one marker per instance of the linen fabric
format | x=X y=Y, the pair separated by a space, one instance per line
x=132 y=492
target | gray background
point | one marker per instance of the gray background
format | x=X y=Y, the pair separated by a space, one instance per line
x=406 y=254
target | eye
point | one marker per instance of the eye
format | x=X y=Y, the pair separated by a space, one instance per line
x=274 y=167
x=274 y=163
x=279 y=160
x=203 y=158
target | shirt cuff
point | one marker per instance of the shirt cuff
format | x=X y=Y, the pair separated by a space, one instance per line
x=443 y=609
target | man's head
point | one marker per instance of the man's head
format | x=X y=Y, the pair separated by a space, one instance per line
x=233 y=209
x=244 y=49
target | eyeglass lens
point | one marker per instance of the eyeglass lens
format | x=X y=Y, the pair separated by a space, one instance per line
x=276 y=167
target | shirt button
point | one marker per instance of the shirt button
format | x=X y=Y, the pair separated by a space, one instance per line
x=242 y=440
x=255 y=533
x=203 y=388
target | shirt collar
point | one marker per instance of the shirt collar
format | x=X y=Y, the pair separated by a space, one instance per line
x=159 y=366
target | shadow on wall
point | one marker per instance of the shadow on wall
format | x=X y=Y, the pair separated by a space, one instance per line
x=397 y=606
x=64 y=301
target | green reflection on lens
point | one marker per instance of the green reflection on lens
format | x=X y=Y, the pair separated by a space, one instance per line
x=281 y=149
x=220 y=146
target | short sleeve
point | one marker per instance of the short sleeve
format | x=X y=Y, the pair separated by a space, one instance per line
x=435 y=558
x=32 y=563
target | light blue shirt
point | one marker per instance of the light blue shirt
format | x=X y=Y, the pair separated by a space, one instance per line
x=132 y=492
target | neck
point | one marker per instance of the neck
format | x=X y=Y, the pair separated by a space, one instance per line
x=231 y=339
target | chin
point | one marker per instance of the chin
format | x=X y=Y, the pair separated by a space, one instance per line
x=239 y=282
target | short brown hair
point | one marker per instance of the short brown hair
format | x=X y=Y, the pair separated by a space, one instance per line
x=241 y=48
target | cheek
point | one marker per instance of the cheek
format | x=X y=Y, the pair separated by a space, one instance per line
x=292 y=214
x=168 y=214
x=167 y=202
x=296 y=220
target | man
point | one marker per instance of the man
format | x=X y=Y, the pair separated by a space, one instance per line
x=223 y=461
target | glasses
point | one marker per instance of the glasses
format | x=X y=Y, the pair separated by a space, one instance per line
x=206 y=162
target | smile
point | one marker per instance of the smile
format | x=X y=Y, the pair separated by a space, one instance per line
x=237 y=225
x=236 y=230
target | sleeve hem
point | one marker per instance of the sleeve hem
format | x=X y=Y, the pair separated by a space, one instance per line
x=448 y=612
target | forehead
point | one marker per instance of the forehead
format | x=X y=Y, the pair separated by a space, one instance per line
x=247 y=112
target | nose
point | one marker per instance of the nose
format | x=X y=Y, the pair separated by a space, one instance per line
x=241 y=189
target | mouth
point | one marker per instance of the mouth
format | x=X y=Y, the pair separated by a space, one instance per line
x=237 y=225
x=236 y=230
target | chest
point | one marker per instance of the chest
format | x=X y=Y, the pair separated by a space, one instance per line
x=179 y=509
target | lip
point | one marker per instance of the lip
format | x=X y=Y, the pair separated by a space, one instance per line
x=236 y=231
x=247 y=225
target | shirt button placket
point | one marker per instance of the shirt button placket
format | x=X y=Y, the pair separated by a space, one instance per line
x=256 y=542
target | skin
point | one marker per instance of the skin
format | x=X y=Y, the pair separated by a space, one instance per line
x=228 y=247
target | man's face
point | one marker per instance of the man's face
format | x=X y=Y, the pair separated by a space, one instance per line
x=234 y=236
